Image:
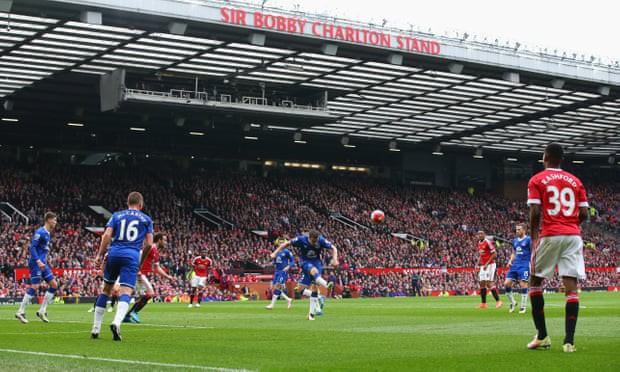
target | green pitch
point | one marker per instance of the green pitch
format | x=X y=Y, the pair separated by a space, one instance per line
x=385 y=334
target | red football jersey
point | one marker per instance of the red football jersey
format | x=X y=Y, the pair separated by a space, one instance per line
x=486 y=248
x=150 y=260
x=201 y=265
x=560 y=194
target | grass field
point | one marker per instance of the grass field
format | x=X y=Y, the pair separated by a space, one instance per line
x=385 y=334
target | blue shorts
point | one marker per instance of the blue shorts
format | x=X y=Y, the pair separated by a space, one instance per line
x=123 y=268
x=36 y=273
x=306 y=266
x=519 y=273
x=280 y=277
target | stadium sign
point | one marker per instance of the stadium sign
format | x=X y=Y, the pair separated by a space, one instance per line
x=327 y=30
x=344 y=31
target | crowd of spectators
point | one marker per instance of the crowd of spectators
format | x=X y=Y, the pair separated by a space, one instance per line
x=604 y=200
x=443 y=223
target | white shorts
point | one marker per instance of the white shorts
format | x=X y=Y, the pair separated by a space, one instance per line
x=199 y=281
x=565 y=251
x=488 y=274
x=143 y=285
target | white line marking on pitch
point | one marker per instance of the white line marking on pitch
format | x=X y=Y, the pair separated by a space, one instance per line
x=141 y=324
x=42 y=333
x=82 y=357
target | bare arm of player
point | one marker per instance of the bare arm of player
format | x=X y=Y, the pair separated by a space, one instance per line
x=535 y=222
x=512 y=257
x=146 y=251
x=583 y=214
x=148 y=241
x=105 y=244
x=281 y=247
x=334 y=256
x=161 y=272
x=493 y=256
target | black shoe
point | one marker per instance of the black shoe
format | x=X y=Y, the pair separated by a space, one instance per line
x=94 y=335
x=115 y=332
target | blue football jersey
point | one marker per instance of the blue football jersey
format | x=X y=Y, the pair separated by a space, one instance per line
x=283 y=259
x=129 y=230
x=307 y=250
x=39 y=247
x=523 y=251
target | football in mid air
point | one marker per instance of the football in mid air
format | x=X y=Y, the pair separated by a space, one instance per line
x=377 y=216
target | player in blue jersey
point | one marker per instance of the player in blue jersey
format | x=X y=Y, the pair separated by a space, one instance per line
x=310 y=248
x=283 y=263
x=39 y=248
x=519 y=267
x=126 y=233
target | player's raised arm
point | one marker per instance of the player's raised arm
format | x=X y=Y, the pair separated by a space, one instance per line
x=281 y=247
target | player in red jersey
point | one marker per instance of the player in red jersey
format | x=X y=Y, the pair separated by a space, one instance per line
x=558 y=198
x=150 y=264
x=201 y=265
x=486 y=262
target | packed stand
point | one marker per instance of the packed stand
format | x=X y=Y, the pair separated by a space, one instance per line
x=444 y=223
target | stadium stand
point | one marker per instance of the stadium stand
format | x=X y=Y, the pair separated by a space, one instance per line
x=372 y=260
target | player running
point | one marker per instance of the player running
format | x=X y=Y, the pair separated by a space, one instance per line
x=39 y=248
x=519 y=267
x=283 y=263
x=201 y=266
x=310 y=248
x=149 y=265
x=126 y=233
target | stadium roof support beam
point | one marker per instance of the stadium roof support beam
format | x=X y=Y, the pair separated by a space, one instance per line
x=102 y=53
x=524 y=119
x=34 y=36
x=188 y=58
x=259 y=67
x=402 y=99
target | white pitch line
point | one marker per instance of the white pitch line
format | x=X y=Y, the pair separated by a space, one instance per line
x=145 y=325
x=43 y=333
x=139 y=362
x=141 y=324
